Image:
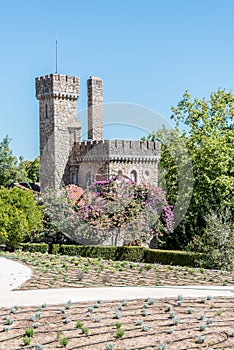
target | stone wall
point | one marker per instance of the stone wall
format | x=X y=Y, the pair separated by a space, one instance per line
x=95 y=108
x=59 y=128
x=100 y=159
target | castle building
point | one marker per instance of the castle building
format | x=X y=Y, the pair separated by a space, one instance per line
x=65 y=158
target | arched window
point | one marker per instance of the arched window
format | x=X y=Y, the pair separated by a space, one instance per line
x=88 y=178
x=133 y=175
x=74 y=179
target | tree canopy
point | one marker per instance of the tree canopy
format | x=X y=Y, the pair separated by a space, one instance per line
x=206 y=128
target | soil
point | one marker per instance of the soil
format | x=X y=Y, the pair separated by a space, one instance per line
x=171 y=324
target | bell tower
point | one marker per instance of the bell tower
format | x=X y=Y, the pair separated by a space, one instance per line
x=59 y=128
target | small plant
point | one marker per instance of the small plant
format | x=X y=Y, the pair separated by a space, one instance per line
x=14 y=310
x=203 y=300
x=9 y=321
x=90 y=309
x=176 y=321
x=209 y=297
x=231 y=334
x=96 y=306
x=62 y=310
x=97 y=319
x=38 y=314
x=6 y=328
x=190 y=310
x=144 y=312
x=161 y=347
x=120 y=308
x=125 y=303
x=110 y=346
x=66 y=320
x=209 y=321
x=180 y=297
x=169 y=308
x=172 y=315
x=85 y=330
x=39 y=347
x=29 y=332
x=201 y=317
x=63 y=341
x=68 y=305
x=118 y=325
x=202 y=327
x=200 y=339
x=139 y=322
x=119 y=333
x=26 y=340
x=145 y=328
x=117 y=314
x=36 y=324
x=179 y=302
x=79 y=324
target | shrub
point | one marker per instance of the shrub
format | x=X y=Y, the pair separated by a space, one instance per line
x=19 y=215
x=35 y=247
x=217 y=242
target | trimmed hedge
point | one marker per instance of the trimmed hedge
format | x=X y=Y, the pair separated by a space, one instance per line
x=171 y=257
x=122 y=253
x=34 y=247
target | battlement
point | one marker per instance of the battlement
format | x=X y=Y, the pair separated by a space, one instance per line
x=117 y=150
x=57 y=86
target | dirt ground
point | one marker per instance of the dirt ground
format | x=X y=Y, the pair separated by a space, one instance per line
x=164 y=324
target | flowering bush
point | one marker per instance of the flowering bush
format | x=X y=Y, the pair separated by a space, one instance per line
x=112 y=209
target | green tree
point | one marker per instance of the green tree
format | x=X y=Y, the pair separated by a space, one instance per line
x=8 y=163
x=205 y=127
x=19 y=215
x=32 y=169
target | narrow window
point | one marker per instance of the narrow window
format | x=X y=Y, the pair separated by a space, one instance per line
x=133 y=175
x=46 y=111
x=74 y=179
x=88 y=178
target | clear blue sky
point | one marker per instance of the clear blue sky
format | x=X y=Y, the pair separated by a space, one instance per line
x=148 y=52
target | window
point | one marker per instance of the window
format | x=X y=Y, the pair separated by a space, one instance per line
x=46 y=111
x=133 y=175
x=88 y=178
x=74 y=179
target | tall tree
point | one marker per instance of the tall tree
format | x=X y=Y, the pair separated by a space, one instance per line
x=8 y=163
x=205 y=127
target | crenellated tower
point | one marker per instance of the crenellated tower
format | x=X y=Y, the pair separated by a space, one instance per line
x=59 y=129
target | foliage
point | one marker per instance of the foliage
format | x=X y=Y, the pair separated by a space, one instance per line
x=19 y=215
x=217 y=243
x=208 y=137
x=113 y=209
x=32 y=169
x=8 y=163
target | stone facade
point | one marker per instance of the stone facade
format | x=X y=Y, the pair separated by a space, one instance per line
x=95 y=108
x=65 y=158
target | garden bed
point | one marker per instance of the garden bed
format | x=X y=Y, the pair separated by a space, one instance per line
x=170 y=324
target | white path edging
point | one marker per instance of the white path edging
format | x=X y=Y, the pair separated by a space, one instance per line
x=13 y=274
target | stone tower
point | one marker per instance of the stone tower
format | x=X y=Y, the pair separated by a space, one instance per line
x=95 y=108
x=59 y=129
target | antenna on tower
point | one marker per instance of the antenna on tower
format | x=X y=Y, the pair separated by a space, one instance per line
x=56 y=57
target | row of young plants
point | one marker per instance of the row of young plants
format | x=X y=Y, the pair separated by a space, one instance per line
x=127 y=324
